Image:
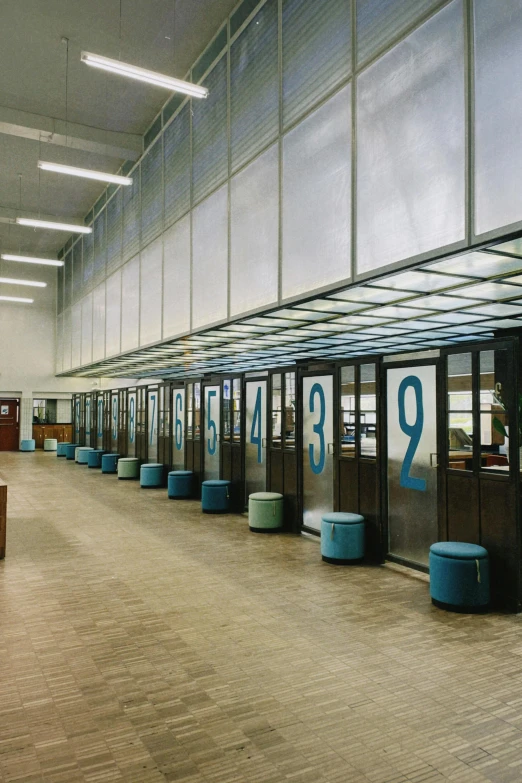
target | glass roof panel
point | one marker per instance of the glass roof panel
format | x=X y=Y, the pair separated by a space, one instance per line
x=300 y=315
x=457 y=318
x=330 y=306
x=370 y=295
x=442 y=302
x=491 y=291
x=513 y=246
x=399 y=311
x=385 y=331
x=272 y=322
x=362 y=320
x=477 y=264
x=503 y=323
x=498 y=309
x=419 y=281
x=330 y=326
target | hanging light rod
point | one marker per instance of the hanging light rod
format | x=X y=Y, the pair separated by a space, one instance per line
x=142 y=75
x=70 y=227
x=16 y=299
x=31 y=260
x=12 y=281
x=100 y=176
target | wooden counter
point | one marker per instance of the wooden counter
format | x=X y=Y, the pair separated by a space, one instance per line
x=62 y=432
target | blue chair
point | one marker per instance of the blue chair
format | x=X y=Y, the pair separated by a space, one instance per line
x=70 y=450
x=94 y=458
x=109 y=463
x=342 y=537
x=215 y=496
x=28 y=444
x=82 y=453
x=60 y=449
x=180 y=484
x=151 y=475
x=459 y=576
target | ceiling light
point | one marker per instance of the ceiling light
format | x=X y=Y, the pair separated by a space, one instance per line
x=12 y=281
x=74 y=171
x=70 y=227
x=142 y=75
x=31 y=260
x=15 y=299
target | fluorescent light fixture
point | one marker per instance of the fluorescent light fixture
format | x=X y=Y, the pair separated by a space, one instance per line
x=15 y=299
x=31 y=260
x=13 y=281
x=142 y=75
x=71 y=228
x=74 y=171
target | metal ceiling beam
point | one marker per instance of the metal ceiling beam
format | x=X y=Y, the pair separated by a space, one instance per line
x=48 y=130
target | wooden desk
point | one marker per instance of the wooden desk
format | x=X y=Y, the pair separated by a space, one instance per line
x=3 y=517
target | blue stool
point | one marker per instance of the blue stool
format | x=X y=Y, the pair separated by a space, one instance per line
x=94 y=458
x=82 y=453
x=109 y=463
x=459 y=576
x=151 y=475
x=28 y=445
x=342 y=537
x=215 y=496
x=60 y=449
x=180 y=484
x=70 y=450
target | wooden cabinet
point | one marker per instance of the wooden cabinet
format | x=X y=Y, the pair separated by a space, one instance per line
x=62 y=432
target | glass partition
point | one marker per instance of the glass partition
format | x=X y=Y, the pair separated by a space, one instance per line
x=358 y=411
x=275 y=436
x=227 y=392
x=197 y=411
x=347 y=413
x=494 y=420
x=289 y=417
x=368 y=410
x=190 y=410
x=236 y=410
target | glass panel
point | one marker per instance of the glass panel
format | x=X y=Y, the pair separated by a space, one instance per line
x=130 y=304
x=131 y=426
x=317 y=197
x=494 y=420
x=114 y=232
x=255 y=441
x=100 y=248
x=190 y=410
x=176 y=152
x=86 y=350
x=197 y=411
x=289 y=416
x=152 y=425
x=176 y=278
x=368 y=410
x=212 y=433
x=460 y=411
x=209 y=134
x=152 y=193
x=88 y=260
x=210 y=259
x=236 y=410
x=131 y=216
x=178 y=425
x=317 y=453
x=227 y=393
x=276 y=411
x=478 y=265
x=348 y=412
x=411 y=145
x=150 y=292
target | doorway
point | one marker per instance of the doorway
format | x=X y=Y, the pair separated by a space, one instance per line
x=9 y=425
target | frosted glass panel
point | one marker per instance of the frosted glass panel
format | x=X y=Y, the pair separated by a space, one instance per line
x=76 y=255
x=67 y=338
x=130 y=304
x=498 y=113
x=316 y=198
x=87 y=330
x=98 y=323
x=255 y=234
x=210 y=259
x=209 y=134
x=59 y=344
x=176 y=278
x=152 y=193
x=411 y=145
x=88 y=260
x=100 y=248
x=76 y=345
x=150 y=292
x=114 y=232
x=112 y=314
x=176 y=151
x=131 y=216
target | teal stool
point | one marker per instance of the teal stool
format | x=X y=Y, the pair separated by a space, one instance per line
x=28 y=445
x=215 y=496
x=459 y=576
x=180 y=484
x=342 y=538
x=70 y=450
x=128 y=468
x=82 y=453
x=151 y=475
x=109 y=463
x=94 y=458
x=265 y=512
x=60 y=449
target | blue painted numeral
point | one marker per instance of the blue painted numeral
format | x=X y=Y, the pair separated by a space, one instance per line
x=413 y=431
x=114 y=418
x=211 y=425
x=100 y=419
x=153 y=399
x=178 y=429
x=132 y=419
x=255 y=432
x=317 y=391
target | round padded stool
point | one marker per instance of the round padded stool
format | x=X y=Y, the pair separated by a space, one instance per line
x=265 y=512
x=28 y=444
x=128 y=468
x=215 y=496
x=180 y=484
x=109 y=463
x=459 y=576
x=82 y=453
x=342 y=537
x=60 y=448
x=151 y=475
x=94 y=458
x=70 y=450
x=50 y=444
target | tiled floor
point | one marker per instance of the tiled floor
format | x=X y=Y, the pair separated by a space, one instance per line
x=143 y=641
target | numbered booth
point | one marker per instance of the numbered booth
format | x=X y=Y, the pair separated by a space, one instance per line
x=114 y=421
x=178 y=435
x=78 y=427
x=256 y=434
x=282 y=455
x=193 y=448
x=107 y=421
x=152 y=420
x=211 y=429
x=141 y=423
x=99 y=420
x=131 y=422
x=123 y=422
x=231 y=441
x=164 y=418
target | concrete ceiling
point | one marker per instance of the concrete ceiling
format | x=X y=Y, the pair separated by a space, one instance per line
x=105 y=113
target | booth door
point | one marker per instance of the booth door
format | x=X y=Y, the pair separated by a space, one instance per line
x=211 y=432
x=88 y=419
x=99 y=422
x=318 y=449
x=131 y=424
x=114 y=422
x=152 y=425
x=412 y=474
x=77 y=418
x=256 y=437
x=178 y=429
